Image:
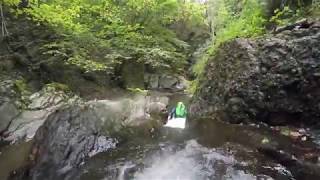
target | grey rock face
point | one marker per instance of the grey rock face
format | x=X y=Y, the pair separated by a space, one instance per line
x=65 y=140
x=129 y=112
x=152 y=81
x=271 y=79
x=7 y=92
x=8 y=111
x=169 y=82
x=8 y=108
x=23 y=126
x=73 y=133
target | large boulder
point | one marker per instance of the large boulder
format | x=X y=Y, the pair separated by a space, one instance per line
x=274 y=79
x=22 y=124
x=8 y=112
x=8 y=108
x=64 y=141
x=141 y=111
x=165 y=81
x=75 y=132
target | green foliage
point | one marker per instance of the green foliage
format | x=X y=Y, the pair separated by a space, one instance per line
x=231 y=19
x=291 y=13
x=77 y=52
x=97 y=35
x=315 y=8
x=192 y=13
x=21 y=87
x=287 y=15
x=58 y=87
x=11 y=2
x=23 y=91
x=281 y=17
x=138 y=91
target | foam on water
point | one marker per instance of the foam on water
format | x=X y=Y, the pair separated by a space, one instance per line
x=193 y=162
x=176 y=123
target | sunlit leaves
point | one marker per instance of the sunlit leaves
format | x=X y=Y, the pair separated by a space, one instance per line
x=99 y=34
x=11 y=2
x=232 y=19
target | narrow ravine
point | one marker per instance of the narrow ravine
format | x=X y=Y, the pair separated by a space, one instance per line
x=87 y=89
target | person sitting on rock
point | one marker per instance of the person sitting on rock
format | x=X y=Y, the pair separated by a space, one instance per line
x=180 y=111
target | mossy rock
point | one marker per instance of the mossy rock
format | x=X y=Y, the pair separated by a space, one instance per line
x=59 y=87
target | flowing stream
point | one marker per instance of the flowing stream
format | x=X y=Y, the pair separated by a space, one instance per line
x=179 y=155
x=218 y=151
x=215 y=151
x=166 y=161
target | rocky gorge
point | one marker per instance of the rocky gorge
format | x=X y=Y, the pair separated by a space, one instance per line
x=265 y=79
x=268 y=82
x=43 y=100
x=254 y=115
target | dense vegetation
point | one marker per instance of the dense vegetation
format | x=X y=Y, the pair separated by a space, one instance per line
x=101 y=34
x=230 y=19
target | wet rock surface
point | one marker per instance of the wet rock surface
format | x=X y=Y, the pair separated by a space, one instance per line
x=71 y=134
x=298 y=168
x=165 y=82
x=64 y=141
x=274 y=79
x=24 y=122
x=282 y=154
x=220 y=151
x=8 y=109
x=8 y=112
x=269 y=82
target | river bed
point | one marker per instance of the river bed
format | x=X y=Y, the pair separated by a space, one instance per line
x=180 y=155
x=216 y=151
x=213 y=150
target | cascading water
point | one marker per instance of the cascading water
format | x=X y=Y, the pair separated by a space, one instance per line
x=183 y=155
x=171 y=161
x=213 y=150
x=189 y=163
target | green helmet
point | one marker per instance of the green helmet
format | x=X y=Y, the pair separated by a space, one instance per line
x=181 y=110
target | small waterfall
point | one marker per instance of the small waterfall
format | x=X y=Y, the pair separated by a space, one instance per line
x=123 y=170
x=191 y=162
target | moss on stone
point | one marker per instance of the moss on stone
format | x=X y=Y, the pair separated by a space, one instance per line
x=23 y=91
x=59 y=87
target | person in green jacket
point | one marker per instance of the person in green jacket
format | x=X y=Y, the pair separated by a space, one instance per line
x=180 y=111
